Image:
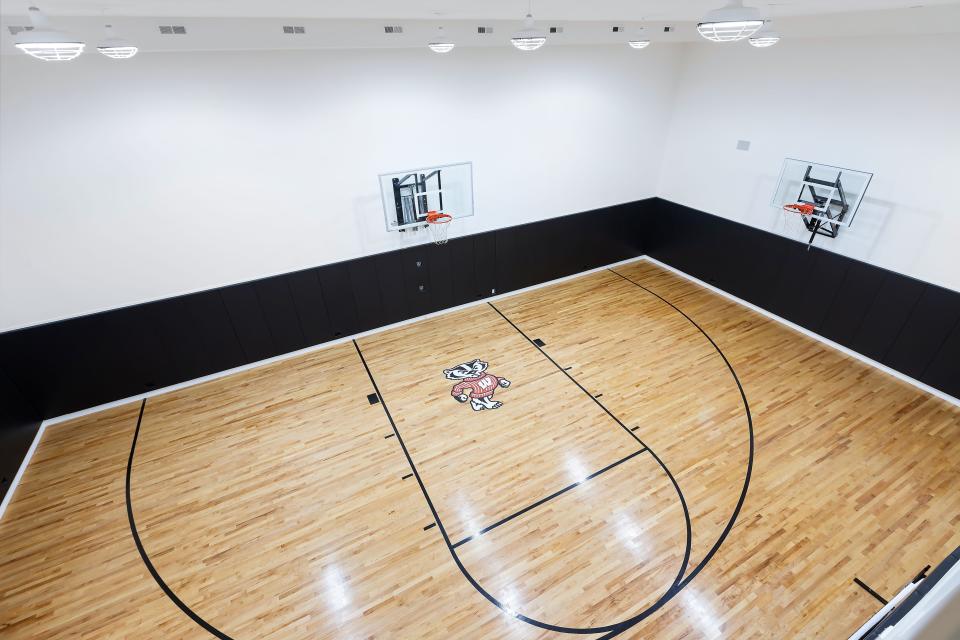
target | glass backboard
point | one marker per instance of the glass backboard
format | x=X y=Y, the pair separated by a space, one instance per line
x=409 y=195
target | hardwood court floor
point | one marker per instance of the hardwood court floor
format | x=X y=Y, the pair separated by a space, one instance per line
x=610 y=488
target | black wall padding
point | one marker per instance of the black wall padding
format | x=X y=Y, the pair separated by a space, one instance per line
x=75 y=364
x=904 y=323
x=19 y=423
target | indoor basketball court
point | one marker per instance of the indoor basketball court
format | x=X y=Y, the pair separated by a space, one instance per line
x=474 y=322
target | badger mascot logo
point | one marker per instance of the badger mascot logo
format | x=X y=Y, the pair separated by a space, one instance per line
x=475 y=384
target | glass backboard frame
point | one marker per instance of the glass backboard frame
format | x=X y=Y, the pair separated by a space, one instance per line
x=424 y=197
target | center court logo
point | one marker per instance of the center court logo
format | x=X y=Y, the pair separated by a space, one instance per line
x=475 y=384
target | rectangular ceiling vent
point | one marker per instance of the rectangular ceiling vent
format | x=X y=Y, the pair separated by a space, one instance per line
x=15 y=30
x=616 y=29
x=393 y=29
x=294 y=30
x=556 y=29
x=667 y=29
x=170 y=30
x=484 y=30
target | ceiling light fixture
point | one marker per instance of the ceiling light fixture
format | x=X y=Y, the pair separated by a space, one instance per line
x=765 y=38
x=116 y=48
x=641 y=40
x=528 y=39
x=730 y=23
x=441 y=44
x=43 y=43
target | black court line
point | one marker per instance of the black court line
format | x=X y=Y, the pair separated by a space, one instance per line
x=746 y=407
x=677 y=584
x=430 y=526
x=388 y=437
x=409 y=475
x=618 y=627
x=863 y=585
x=143 y=552
x=550 y=497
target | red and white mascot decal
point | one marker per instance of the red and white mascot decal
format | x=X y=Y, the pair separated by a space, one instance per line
x=475 y=384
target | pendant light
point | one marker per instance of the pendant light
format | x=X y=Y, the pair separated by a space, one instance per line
x=114 y=47
x=730 y=23
x=43 y=43
x=766 y=37
x=641 y=41
x=441 y=44
x=528 y=38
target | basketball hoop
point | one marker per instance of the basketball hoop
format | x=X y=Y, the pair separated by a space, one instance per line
x=439 y=225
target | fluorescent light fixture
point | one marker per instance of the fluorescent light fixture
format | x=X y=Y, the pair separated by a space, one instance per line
x=441 y=44
x=116 y=48
x=528 y=39
x=765 y=38
x=730 y=23
x=44 y=43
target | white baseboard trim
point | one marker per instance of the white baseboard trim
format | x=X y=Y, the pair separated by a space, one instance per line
x=810 y=334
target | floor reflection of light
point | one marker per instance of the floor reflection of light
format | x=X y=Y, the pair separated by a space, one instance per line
x=337 y=590
x=577 y=470
x=701 y=614
x=510 y=602
x=632 y=535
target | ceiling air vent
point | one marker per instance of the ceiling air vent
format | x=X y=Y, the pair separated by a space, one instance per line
x=616 y=29
x=484 y=30
x=394 y=29
x=15 y=30
x=556 y=29
x=294 y=30
x=169 y=30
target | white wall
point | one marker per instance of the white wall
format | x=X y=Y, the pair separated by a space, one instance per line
x=886 y=105
x=122 y=182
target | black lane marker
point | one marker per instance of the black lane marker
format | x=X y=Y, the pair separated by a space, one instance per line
x=600 y=395
x=746 y=407
x=409 y=475
x=446 y=538
x=430 y=526
x=548 y=498
x=677 y=584
x=634 y=428
x=567 y=368
x=539 y=342
x=143 y=553
x=389 y=436
x=864 y=586
x=373 y=399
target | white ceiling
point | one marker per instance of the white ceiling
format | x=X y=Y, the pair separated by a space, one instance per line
x=566 y=10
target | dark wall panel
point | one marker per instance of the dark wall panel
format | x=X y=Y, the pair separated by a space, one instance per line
x=249 y=324
x=925 y=331
x=19 y=423
x=907 y=324
x=280 y=313
x=339 y=299
x=310 y=305
x=887 y=316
